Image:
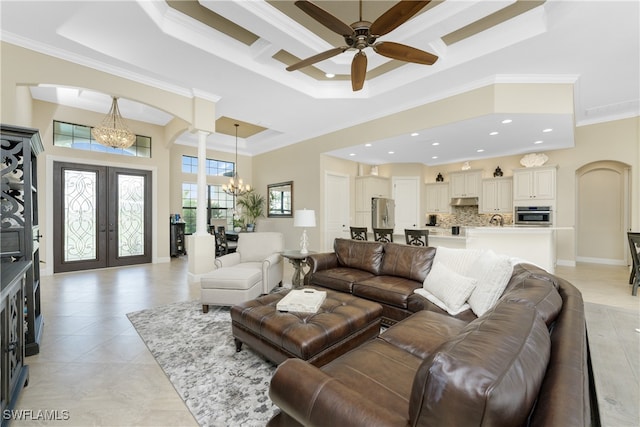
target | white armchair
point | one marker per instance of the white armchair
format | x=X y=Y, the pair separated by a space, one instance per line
x=258 y=250
x=254 y=269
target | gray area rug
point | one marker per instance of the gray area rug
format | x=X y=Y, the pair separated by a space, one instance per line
x=220 y=386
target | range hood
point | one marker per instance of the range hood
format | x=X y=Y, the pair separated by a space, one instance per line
x=464 y=201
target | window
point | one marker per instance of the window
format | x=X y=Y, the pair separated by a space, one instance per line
x=214 y=167
x=79 y=137
x=220 y=205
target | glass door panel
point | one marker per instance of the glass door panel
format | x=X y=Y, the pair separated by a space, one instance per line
x=130 y=215
x=80 y=216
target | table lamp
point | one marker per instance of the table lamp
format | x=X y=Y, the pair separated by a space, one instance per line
x=304 y=218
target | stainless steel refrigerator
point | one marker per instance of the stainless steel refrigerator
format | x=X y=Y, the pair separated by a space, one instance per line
x=383 y=213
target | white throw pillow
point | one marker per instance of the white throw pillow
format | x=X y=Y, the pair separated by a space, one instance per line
x=458 y=260
x=492 y=272
x=451 y=288
x=428 y=295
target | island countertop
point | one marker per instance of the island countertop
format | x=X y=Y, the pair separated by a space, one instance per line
x=534 y=244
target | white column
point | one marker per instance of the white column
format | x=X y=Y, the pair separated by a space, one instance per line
x=201 y=210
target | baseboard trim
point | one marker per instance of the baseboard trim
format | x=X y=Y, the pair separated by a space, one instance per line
x=607 y=261
x=566 y=262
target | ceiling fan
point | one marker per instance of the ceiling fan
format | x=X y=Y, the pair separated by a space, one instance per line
x=363 y=34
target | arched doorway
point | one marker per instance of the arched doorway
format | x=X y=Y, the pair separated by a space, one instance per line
x=602 y=212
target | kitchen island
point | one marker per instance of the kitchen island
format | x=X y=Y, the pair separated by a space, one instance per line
x=536 y=245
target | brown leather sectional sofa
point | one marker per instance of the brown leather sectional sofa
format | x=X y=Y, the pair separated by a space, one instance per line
x=386 y=273
x=524 y=362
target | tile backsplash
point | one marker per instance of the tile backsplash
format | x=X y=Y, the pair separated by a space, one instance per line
x=468 y=216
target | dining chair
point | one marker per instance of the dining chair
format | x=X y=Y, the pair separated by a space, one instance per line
x=417 y=237
x=384 y=235
x=634 y=246
x=229 y=246
x=358 y=233
x=221 y=248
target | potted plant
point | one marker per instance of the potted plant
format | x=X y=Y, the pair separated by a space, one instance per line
x=238 y=224
x=252 y=204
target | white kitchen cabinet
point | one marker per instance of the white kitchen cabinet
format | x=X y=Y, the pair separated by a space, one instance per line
x=465 y=184
x=366 y=188
x=534 y=184
x=497 y=195
x=437 y=196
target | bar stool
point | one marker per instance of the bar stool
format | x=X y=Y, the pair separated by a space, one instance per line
x=383 y=235
x=634 y=246
x=358 y=233
x=417 y=237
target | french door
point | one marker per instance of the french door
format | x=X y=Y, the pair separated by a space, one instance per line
x=102 y=217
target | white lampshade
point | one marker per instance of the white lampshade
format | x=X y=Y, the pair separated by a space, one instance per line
x=304 y=218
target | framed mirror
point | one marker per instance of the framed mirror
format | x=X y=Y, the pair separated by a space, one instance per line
x=280 y=200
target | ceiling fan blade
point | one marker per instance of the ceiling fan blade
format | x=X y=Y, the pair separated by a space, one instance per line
x=358 y=70
x=396 y=16
x=317 y=58
x=324 y=17
x=404 y=53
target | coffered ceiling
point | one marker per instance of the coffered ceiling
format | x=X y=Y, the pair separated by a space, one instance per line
x=237 y=52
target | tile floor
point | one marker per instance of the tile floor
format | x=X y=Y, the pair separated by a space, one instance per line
x=93 y=364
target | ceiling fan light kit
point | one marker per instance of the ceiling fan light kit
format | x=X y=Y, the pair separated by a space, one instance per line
x=363 y=34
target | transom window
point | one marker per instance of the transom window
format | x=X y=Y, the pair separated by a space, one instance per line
x=79 y=137
x=214 y=167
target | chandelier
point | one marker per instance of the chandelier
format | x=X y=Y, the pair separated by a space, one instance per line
x=113 y=132
x=236 y=187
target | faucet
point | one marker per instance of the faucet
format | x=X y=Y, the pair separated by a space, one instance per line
x=497 y=219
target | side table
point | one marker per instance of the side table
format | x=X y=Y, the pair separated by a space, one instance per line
x=297 y=259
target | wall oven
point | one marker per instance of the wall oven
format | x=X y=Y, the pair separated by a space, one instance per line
x=533 y=215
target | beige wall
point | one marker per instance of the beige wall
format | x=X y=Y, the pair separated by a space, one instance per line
x=617 y=140
x=304 y=162
x=22 y=67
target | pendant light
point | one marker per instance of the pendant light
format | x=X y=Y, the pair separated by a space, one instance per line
x=235 y=187
x=113 y=132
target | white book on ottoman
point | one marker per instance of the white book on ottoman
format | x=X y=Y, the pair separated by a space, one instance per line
x=302 y=300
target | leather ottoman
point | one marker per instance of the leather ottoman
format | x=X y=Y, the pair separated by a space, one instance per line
x=342 y=323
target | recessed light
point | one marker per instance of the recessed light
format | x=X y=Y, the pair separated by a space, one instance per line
x=329 y=75
x=537 y=142
x=352 y=154
x=434 y=157
x=415 y=134
x=547 y=130
x=505 y=121
x=391 y=152
x=493 y=133
x=480 y=150
x=367 y=145
x=435 y=143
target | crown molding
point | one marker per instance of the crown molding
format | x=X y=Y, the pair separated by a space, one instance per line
x=93 y=64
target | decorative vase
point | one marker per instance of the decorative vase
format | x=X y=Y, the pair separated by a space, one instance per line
x=237 y=229
x=439 y=178
x=497 y=172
